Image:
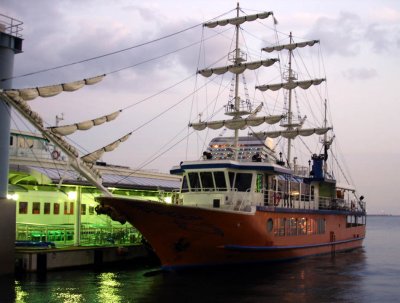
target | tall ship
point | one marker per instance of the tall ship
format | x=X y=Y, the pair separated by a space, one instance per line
x=246 y=201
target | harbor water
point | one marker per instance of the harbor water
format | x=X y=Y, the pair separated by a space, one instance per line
x=370 y=274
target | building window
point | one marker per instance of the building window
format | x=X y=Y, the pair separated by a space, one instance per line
x=68 y=208
x=23 y=207
x=56 y=208
x=46 y=209
x=91 y=210
x=11 y=140
x=83 y=209
x=36 y=208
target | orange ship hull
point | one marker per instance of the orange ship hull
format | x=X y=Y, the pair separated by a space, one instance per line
x=184 y=236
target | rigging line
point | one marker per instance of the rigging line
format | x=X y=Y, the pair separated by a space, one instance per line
x=25 y=140
x=154 y=158
x=201 y=48
x=171 y=107
x=169 y=53
x=111 y=53
x=165 y=89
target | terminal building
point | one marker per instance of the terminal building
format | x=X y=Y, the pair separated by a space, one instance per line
x=52 y=198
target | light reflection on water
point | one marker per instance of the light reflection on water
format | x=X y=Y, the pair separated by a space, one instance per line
x=364 y=275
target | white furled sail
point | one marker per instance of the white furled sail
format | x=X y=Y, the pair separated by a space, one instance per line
x=292 y=133
x=290 y=46
x=291 y=85
x=24 y=107
x=237 y=20
x=66 y=130
x=236 y=68
x=52 y=90
x=237 y=123
x=96 y=155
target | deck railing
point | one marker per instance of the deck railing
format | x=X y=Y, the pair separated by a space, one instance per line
x=91 y=235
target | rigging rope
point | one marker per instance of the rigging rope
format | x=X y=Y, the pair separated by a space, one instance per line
x=109 y=54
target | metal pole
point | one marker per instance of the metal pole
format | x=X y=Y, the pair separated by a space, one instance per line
x=77 y=223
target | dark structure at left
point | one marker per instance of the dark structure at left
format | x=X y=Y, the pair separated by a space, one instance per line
x=10 y=44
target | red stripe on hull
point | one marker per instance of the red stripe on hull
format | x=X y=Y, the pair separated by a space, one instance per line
x=189 y=236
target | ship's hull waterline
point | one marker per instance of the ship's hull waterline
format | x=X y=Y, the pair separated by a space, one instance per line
x=184 y=236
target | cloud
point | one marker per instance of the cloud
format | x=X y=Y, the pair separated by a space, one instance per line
x=360 y=73
x=340 y=35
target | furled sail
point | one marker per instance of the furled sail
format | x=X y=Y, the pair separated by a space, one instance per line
x=52 y=90
x=237 y=123
x=66 y=130
x=238 y=20
x=292 y=133
x=236 y=68
x=290 y=85
x=94 y=156
x=290 y=46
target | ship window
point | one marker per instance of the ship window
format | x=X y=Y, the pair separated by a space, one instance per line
x=207 y=180
x=281 y=227
x=259 y=183
x=36 y=208
x=91 y=210
x=194 y=181
x=46 y=209
x=23 y=207
x=56 y=208
x=231 y=179
x=83 y=209
x=321 y=226
x=243 y=181
x=270 y=225
x=292 y=227
x=220 y=182
x=185 y=187
x=311 y=227
x=302 y=226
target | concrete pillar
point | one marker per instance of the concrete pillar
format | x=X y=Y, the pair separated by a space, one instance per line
x=7 y=227
x=10 y=44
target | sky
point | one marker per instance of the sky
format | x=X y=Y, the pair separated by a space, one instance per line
x=360 y=42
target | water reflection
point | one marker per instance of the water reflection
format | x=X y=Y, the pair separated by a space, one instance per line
x=364 y=275
x=109 y=288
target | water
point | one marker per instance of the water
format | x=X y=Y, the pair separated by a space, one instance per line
x=370 y=274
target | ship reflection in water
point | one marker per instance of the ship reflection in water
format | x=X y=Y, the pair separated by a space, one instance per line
x=363 y=275
x=317 y=279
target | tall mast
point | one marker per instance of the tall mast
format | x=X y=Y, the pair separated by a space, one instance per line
x=290 y=79
x=237 y=99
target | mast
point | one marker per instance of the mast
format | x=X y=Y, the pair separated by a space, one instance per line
x=237 y=99
x=242 y=116
x=290 y=79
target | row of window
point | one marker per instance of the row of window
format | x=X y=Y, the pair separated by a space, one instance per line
x=197 y=181
x=47 y=208
x=296 y=226
x=355 y=221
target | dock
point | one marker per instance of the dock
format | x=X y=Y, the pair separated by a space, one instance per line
x=42 y=259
